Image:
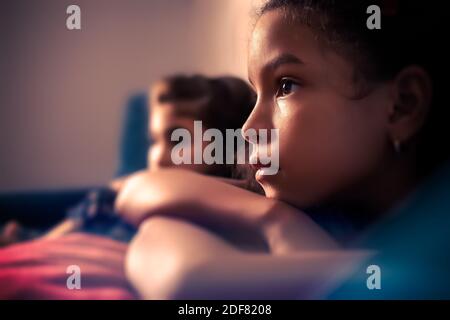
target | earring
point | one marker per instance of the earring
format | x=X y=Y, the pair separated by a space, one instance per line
x=397 y=146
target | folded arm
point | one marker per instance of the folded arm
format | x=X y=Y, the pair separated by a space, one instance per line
x=172 y=259
x=231 y=212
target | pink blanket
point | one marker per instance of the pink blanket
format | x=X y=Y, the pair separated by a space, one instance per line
x=75 y=266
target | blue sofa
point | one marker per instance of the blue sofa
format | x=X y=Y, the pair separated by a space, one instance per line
x=42 y=209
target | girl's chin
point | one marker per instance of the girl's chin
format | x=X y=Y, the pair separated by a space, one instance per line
x=271 y=186
x=272 y=193
x=270 y=190
x=267 y=182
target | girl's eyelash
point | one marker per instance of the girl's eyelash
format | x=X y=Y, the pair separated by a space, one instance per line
x=284 y=86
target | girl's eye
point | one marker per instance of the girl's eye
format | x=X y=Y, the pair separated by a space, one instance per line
x=286 y=87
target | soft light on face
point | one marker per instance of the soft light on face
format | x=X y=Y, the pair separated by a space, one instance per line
x=164 y=119
x=328 y=140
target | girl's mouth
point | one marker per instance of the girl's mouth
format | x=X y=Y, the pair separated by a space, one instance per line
x=262 y=171
x=263 y=165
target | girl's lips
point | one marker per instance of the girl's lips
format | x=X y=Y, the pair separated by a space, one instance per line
x=256 y=164
x=260 y=170
x=259 y=166
x=259 y=174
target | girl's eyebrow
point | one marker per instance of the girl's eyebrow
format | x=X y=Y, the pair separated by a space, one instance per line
x=285 y=58
x=275 y=63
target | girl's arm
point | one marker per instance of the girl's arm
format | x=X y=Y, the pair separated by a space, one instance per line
x=232 y=212
x=171 y=259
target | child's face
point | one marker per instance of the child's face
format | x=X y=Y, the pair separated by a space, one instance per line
x=329 y=142
x=164 y=119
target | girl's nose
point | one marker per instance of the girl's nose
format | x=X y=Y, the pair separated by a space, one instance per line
x=260 y=118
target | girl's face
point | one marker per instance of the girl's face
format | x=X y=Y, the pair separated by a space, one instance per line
x=330 y=143
x=164 y=119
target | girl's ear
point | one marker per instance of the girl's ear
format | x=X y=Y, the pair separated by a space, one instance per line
x=411 y=92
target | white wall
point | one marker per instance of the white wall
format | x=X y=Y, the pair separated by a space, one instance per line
x=62 y=92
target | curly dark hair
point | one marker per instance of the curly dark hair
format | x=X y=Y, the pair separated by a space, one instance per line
x=224 y=103
x=411 y=34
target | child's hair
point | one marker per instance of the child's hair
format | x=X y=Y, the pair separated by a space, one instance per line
x=224 y=103
x=411 y=33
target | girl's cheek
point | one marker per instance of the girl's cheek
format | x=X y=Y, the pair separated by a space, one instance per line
x=283 y=107
x=287 y=117
x=289 y=127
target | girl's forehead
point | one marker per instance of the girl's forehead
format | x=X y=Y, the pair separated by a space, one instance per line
x=275 y=37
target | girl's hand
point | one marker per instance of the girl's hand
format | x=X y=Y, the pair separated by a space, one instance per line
x=240 y=216
x=146 y=193
x=118 y=183
x=214 y=203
